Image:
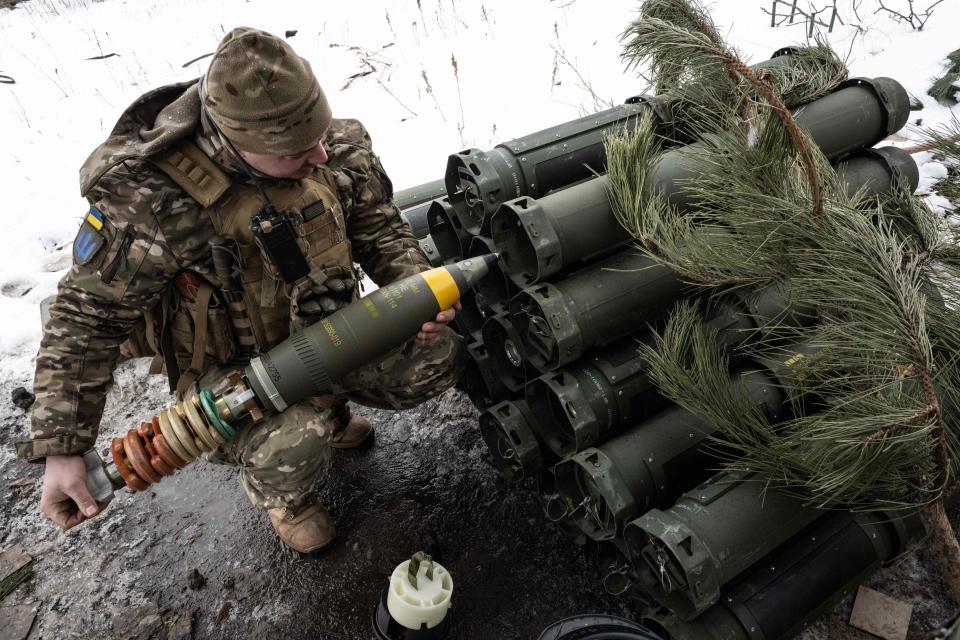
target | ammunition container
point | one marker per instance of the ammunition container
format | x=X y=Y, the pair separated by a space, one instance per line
x=503 y=343
x=547 y=160
x=537 y=163
x=495 y=288
x=609 y=388
x=595 y=306
x=860 y=113
x=420 y=194
x=470 y=318
x=448 y=235
x=773 y=307
x=589 y=399
x=537 y=239
x=877 y=171
x=788 y=364
x=512 y=446
x=651 y=464
x=429 y=248
x=711 y=535
x=414 y=203
x=480 y=380
x=796 y=584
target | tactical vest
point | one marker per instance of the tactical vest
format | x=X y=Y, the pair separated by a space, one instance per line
x=194 y=331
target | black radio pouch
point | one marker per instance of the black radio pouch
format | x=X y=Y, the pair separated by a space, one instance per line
x=275 y=234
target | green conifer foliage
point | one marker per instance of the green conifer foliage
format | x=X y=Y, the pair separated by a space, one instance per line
x=877 y=392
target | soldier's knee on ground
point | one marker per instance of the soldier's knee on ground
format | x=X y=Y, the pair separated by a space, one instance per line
x=411 y=375
x=437 y=367
x=282 y=457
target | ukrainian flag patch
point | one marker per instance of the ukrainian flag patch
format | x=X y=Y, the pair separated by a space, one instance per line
x=95 y=218
x=89 y=240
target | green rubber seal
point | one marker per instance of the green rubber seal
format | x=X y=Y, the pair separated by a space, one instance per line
x=206 y=401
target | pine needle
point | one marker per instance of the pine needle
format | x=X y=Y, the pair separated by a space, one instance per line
x=875 y=384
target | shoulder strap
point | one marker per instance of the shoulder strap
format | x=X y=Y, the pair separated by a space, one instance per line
x=192 y=374
x=166 y=340
x=194 y=172
x=152 y=329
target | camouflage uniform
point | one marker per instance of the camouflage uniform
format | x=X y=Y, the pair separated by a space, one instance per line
x=152 y=230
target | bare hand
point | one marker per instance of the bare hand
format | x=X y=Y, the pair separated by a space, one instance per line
x=430 y=331
x=65 y=499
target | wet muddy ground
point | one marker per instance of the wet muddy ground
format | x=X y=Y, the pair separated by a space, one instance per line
x=421 y=485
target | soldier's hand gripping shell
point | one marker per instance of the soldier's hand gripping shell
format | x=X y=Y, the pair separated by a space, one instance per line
x=65 y=498
x=321 y=294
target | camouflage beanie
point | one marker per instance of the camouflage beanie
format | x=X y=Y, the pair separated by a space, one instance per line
x=262 y=96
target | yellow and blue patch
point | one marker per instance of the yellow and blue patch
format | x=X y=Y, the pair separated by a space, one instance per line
x=89 y=240
x=95 y=218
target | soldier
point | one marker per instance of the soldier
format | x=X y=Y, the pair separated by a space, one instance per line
x=200 y=159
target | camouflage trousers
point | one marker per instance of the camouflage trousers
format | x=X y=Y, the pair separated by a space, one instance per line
x=281 y=458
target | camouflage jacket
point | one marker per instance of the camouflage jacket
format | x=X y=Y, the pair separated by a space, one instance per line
x=162 y=232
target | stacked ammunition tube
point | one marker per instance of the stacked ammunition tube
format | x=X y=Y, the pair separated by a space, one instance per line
x=556 y=369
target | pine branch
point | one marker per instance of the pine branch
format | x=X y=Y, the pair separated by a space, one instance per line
x=661 y=21
x=689 y=367
x=944 y=139
x=800 y=141
x=875 y=384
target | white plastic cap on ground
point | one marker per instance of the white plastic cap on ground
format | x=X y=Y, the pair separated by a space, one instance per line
x=427 y=603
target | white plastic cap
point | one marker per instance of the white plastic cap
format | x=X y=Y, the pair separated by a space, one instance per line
x=427 y=603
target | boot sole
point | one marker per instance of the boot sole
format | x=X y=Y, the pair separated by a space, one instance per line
x=315 y=552
x=340 y=445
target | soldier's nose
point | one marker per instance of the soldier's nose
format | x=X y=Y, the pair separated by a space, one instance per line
x=318 y=156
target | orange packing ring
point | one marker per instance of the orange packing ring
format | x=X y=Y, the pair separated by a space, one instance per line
x=146 y=437
x=166 y=453
x=148 y=434
x=138 y=457
x=164 y=450
x=130 y=478
x=160 y=466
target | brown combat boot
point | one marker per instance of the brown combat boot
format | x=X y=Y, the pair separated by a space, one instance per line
x=351 y=430
x=307 y=528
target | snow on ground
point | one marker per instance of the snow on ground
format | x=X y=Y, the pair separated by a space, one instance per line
x=440 y=75
x=520 y=67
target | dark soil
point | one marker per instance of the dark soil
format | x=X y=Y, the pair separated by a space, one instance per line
x=193 y=559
